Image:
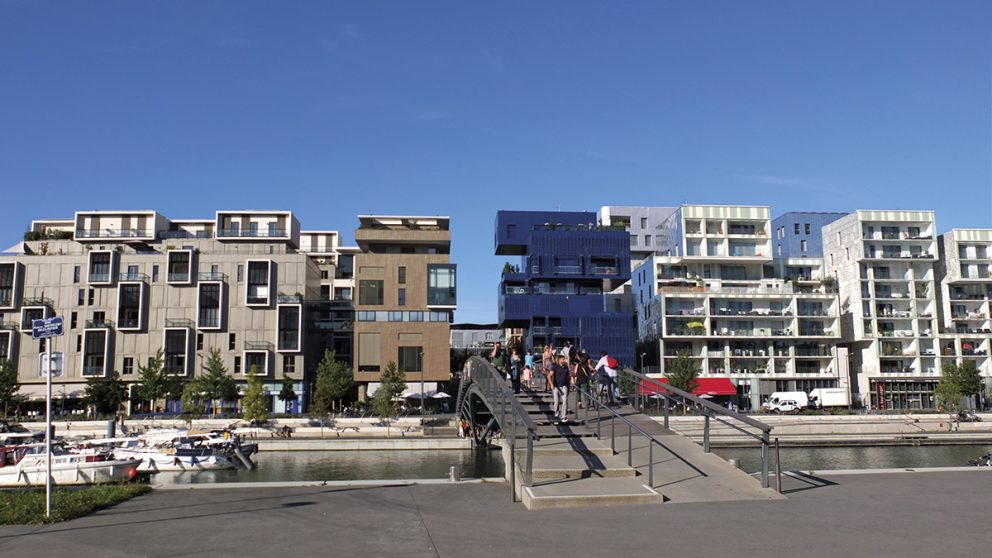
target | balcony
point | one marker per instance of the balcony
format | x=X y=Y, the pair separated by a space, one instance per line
x=38 y=301
x=180 y=322
x=211 y=276
x=110 y=233
x=93 y=370
x=258 y=346
x=178 y=278
x=249 y=233
x=568 y=269
x=171 y=235
x=8 y=326
x=289 y=299
x=99 y=324
x=95 y=277
x=605 y=270
x=132 y=277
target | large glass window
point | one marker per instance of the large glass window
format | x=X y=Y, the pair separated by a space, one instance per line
x=129 y=306
x=99 y=271
x=441 y=289
x=176 y=345
x=179 y=267
x=209 y=305
x=258 y=282
x=94 y=352
x=7 y=272
x=370 y=292
x=289 y=328
x=410 y=359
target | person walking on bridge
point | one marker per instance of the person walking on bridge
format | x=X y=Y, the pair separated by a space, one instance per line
x=583 y=371
x=608 y=374
x=560 y=380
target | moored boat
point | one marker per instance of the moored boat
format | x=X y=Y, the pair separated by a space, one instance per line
x=26 y=465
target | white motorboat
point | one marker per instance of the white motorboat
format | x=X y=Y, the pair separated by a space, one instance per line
x=26 y=464
x=175 y=450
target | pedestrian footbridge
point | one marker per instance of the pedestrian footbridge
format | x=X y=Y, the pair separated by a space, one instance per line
x=604 y=456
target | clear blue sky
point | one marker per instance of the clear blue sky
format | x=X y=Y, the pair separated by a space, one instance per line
x=332 y=109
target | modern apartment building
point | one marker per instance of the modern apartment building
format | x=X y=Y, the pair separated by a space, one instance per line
x=560 y=290
x=884 y=265
x=965 y=275
x=129 y=283
x=716 y=293
x=406 y=298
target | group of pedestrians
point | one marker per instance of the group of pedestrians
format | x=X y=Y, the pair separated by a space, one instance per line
x=563 y=369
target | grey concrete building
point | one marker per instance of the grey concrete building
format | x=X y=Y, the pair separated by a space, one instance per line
x=129 y=283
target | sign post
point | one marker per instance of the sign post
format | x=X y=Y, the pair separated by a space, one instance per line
x=47 y=329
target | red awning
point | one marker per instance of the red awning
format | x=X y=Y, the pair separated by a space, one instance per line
x=704 y=386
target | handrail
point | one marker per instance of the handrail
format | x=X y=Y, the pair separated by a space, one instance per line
x=508 y=412
x=710 y=411
x=630 y=428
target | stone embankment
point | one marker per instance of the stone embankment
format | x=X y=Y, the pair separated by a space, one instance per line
x=846 y=430
x=408 y=433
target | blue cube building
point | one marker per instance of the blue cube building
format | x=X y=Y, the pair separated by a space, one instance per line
x=568 y=265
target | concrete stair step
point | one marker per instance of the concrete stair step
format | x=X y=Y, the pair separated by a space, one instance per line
x=575 y=466
x=574 y=493
x=568 y=446
x=564 y=431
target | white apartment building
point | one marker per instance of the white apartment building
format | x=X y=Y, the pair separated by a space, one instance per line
x=965 y=274
x=129 y=283
x=883 y=262
x=715 y=294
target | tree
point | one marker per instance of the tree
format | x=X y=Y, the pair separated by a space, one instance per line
x=966 y=378
x=334 y=381
x=8 y=383
x=948 y=394
x=683 y=373
x=254 y=404
x=194 y=398
x=392 y=382
x=152 y=379
x=105 y=394
x=287 y=394
x=215 y=383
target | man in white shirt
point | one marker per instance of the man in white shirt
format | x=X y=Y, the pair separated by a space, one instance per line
x=609 y=376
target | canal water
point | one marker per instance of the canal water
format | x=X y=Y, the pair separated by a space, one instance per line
x=351 y=465
x=859 y=457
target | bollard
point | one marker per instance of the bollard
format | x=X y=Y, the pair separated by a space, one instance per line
x=455 y=473
x=111 y=428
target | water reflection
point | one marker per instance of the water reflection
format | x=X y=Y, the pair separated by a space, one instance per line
x=860 y=457
x=274 y=466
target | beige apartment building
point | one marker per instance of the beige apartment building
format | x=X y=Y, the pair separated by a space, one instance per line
x=406 y=296
x=129 y=283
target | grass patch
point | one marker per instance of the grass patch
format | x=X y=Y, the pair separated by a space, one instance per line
x=19 y=507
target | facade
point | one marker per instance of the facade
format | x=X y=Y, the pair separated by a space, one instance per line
x=965 y=275
x=476 y=337
x=406 y=298
x=560 y=291
x=129 y=283
x=884 y=265
x=714 y=294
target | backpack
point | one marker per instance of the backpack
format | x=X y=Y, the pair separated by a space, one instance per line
x=612 y=362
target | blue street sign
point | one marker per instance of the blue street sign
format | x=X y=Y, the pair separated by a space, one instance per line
x=48 y=327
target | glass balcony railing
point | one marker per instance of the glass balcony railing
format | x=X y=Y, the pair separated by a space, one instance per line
x=180 y=322
x=248 y=233
x=98 y=324
x=133 y=277
x=97 y=277
x=440 y=296
x=178 y=277
x=211 y=276
x=110 y=233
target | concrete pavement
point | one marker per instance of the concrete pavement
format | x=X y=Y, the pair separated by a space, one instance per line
x=899 y=515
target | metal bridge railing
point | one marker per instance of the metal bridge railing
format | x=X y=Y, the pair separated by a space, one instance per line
x=645 y=388
x=512 y=417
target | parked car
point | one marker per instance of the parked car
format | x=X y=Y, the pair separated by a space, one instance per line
x=787 y=406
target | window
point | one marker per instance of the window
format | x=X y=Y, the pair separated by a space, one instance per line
x=232 y=342
x=100 y=267
x=259 y=276
x=199 y=341
x=847 y=253
x=802 y=246
x=438 y=317
x=94 y=352
x=633 y=240
x=75 y=274
x=179 y=266
x=416 y=316
x=780 y=249
x=289 y=328
x=128 y=367
x=370 y=292
x=237 y=365
x=288 y=364
x=644 y=222
x=796 y=227
x=647 y=240
x=92 y=296
x=410 y=359
x=441 y=285
x=174 y=354
x=209 y=306
x=73 y=320
x=808 y=229
x=395 y=316
x=401 y=297
x=41 y=345
x=324 y=274
x=368 y=352
x=241 y=272
x=155 y=273
x=79 y=343
x=82 y=297
x=129 y=302
x=365 y=316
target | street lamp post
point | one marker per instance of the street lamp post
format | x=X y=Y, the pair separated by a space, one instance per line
x=421 y=363
x=642 y=362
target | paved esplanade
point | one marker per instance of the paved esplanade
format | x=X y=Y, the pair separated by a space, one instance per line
x=899 y=515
